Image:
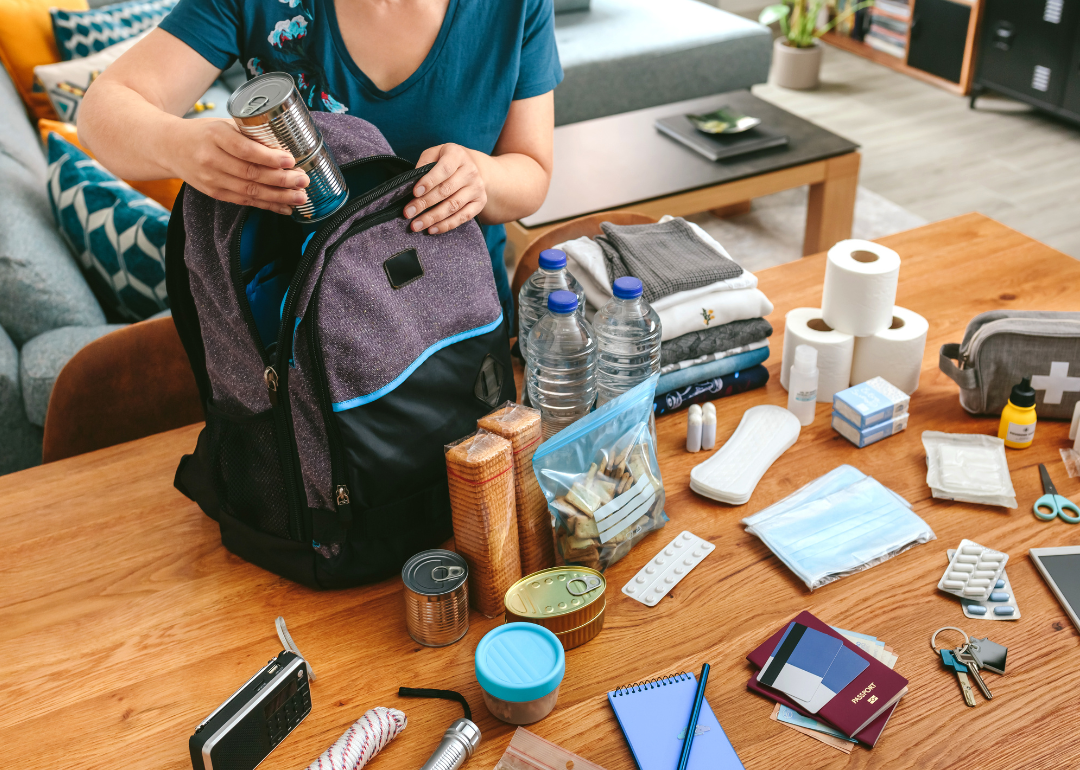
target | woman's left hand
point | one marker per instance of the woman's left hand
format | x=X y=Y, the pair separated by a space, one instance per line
x=449 y=195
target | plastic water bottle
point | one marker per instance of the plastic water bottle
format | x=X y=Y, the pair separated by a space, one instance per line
x=561 y=369
x=533 y=297
x=628 y=338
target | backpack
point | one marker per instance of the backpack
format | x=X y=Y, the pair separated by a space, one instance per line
x=326 y=415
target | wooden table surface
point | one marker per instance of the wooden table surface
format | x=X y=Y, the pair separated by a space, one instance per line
x=124 y=622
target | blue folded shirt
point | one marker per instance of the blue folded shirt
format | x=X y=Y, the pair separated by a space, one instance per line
x=710 y=370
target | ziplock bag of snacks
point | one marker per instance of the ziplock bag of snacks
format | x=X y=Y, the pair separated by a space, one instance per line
x=602 y=481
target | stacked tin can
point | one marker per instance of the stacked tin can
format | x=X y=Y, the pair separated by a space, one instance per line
x=436 y=597
x=568 y=601
x=269 y=109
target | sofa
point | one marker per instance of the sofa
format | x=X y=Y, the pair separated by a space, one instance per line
x=618 y=55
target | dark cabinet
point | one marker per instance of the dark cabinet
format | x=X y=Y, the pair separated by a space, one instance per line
x=1030 y=50
x=939 y=37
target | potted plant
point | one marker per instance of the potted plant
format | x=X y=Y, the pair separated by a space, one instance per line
x=797 y=54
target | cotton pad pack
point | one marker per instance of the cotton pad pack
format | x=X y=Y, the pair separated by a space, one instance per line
x=969 y=467
x=731 y=475
x=667 y=568
x=973 y=571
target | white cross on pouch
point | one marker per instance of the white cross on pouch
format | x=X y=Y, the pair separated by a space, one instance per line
x=1057 y=383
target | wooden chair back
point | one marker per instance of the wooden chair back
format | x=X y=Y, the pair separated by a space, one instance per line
x=575 y=228
x=131 y=383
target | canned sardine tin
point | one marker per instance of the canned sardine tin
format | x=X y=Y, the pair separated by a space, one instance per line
x=270 y=110
x=436 y=597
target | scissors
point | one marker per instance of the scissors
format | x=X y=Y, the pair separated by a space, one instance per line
x=1054 y=504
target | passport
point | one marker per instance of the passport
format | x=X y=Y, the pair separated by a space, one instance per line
x=860 y=704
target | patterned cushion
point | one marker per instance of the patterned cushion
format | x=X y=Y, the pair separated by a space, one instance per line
x=27 y=40
x=66 y=81
x=81 y=33
x=117 y=234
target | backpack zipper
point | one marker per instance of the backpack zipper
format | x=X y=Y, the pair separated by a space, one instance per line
x=335 y=443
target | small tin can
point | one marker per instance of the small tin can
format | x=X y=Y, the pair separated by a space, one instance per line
x=569 y=601
x=436 y=597
x=270 y=110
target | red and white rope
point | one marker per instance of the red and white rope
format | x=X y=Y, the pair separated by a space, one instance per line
x=367 y=736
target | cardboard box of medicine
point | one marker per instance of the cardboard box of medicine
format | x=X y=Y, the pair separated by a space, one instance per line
x=867 y=436
x=871 y=402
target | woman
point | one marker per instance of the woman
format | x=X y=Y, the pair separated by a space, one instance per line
x=466 y=84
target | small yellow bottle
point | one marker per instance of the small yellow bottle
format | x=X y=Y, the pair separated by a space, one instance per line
x=1017 y=425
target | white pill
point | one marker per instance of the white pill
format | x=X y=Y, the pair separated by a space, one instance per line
x=963 y=568
x=974 y=591
x=658 y=590
x=967 y=559
x=678 y=544
x=994 y=565
x=640 y=579
x=953 y=584
x=629 y=589
x=976 y=549
x=697 y=554
x=660 y=560
x=978 y=582
x=707 y=546
x=668 y=551
x=686 y=536
x=669 y=579
x=958 y=576
x=985 y=573
x=651 y=570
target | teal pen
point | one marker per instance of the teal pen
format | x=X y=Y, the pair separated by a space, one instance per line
x=691 y=728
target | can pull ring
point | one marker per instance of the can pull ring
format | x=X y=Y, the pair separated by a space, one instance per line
x=448 y=573
x=254 y=103
x=589 y=582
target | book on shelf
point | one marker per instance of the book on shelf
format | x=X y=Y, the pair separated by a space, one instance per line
x=897 y=8
x=897 y=38
x=885 y=46
x=899 y=26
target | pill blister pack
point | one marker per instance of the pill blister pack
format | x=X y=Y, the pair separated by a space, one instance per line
x=1000 y=606
x=667 y=568
x=973 y=571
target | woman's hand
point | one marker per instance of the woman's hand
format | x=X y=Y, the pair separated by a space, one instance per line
x=449 y=195
x=215 y=158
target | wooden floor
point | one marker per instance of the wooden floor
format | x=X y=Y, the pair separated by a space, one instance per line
x=926 y=151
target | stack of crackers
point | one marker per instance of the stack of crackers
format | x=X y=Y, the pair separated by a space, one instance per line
x=480 y=470
x=521 y=426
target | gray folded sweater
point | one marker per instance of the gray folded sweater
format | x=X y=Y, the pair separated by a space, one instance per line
x=718 y=338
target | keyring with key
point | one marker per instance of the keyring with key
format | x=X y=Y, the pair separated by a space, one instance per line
x=962 y=662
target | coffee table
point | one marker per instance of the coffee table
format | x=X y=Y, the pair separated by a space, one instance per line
x=124 y=622
x=622 y=162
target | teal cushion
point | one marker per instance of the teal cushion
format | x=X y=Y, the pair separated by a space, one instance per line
x=81 y=33
x=117 y=234
x=42 y=358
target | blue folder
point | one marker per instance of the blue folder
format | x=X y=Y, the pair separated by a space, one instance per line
x=653 y=717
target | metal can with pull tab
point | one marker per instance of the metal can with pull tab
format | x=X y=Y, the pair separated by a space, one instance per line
x=436 y=597
x=270 y=110
x=568 y=601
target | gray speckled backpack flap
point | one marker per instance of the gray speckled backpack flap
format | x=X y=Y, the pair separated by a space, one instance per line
x=1001 y=347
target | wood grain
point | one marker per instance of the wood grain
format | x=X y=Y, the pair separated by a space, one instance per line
x=123 y=622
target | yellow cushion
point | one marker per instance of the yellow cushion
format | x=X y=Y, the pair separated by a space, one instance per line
x=26 y=40
x=164 y=191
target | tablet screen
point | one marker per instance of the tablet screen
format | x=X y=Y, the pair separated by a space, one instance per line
x=1065 y=570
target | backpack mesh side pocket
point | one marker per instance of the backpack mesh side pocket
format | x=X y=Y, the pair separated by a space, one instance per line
x=246 y=471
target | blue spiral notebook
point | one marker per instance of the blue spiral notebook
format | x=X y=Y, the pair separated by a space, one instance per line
x=653 y=717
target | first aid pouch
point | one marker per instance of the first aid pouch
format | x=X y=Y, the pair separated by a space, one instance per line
x=1001 y=347
x=602 y=482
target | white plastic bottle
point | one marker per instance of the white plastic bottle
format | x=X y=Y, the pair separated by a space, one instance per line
x=628 y=340
x=561 y=369
x=552 y=275
x=802 y=384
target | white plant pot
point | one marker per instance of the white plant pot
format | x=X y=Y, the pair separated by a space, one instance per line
x=797 y=68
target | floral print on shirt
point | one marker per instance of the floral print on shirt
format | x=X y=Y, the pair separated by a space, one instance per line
x=289 y=38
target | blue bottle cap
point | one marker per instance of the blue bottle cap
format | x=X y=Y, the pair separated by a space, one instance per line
x=562 y=301
x=520 y=662
x=552 y=259
x=627 y=287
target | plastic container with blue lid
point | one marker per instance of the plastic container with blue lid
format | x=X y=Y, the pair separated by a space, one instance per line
x=519 y=667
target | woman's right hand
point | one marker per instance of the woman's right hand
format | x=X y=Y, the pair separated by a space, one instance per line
x=216 y=159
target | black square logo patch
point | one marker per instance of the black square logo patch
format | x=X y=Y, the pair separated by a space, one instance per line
x=489 y=381
x=403 y=268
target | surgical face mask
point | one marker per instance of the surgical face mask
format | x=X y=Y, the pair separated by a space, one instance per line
x=841 y=523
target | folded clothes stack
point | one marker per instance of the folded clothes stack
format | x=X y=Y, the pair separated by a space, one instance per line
x=715 y=336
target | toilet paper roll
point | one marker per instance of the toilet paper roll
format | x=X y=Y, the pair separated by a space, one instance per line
x=895 y=354
x=804 y=326
x=860 y=287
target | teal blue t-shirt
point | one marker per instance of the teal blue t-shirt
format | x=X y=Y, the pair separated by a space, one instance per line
x=488 y=53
